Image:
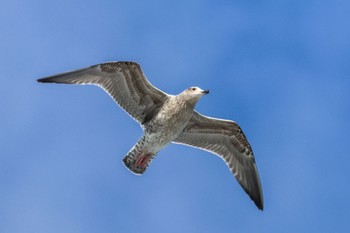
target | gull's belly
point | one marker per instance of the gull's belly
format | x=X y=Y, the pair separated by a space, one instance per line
x=158 y=139
x=162 y=133
x=167 y=124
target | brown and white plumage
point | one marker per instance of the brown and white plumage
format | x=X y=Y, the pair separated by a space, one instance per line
x=124 y=82
x=167 y=118
x=227 y=140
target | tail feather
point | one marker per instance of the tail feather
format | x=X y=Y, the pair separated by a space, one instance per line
x=138 y=159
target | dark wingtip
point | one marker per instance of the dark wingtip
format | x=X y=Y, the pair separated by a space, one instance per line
x=257 y=198
x=52 y=79
x=42 y=80
x=260 y=205
x=257 y=201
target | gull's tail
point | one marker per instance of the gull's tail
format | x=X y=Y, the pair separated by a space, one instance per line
x=138 y=159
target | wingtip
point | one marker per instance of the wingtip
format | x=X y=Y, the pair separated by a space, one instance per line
x=43 y=80
x=258 y=200
x=260 y=206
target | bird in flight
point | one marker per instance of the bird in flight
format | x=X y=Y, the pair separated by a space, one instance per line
x=169 y=118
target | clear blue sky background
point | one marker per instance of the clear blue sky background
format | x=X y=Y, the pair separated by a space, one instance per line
x=279 y=68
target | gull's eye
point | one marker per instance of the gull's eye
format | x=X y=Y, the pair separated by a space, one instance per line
x=193 y=88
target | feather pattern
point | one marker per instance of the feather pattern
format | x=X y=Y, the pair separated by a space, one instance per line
x=124 y=82
x=166 y=118
x=225 y=139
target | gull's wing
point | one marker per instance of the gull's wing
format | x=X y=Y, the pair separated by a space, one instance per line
x=124 y=82
x=226 y=139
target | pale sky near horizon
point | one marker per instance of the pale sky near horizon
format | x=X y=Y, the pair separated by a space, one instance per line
x=280 y=69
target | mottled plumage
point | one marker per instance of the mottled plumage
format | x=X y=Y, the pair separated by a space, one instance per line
x=169 y=118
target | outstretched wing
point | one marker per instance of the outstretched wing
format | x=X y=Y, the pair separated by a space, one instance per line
x=124 y=82
x=226 y=139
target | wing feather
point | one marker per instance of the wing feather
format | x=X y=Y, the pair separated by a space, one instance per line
x=124 y=82
x=225 y=139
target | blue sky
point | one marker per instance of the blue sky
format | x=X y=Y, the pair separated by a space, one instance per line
x=278 y=68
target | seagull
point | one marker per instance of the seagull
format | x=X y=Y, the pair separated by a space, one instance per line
x=167 y=118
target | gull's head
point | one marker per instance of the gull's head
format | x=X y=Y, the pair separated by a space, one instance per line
x=194 y=93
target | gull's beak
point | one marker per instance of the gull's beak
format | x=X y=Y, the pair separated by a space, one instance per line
x=206 y=92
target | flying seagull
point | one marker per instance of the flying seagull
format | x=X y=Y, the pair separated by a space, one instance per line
x=169 y=118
